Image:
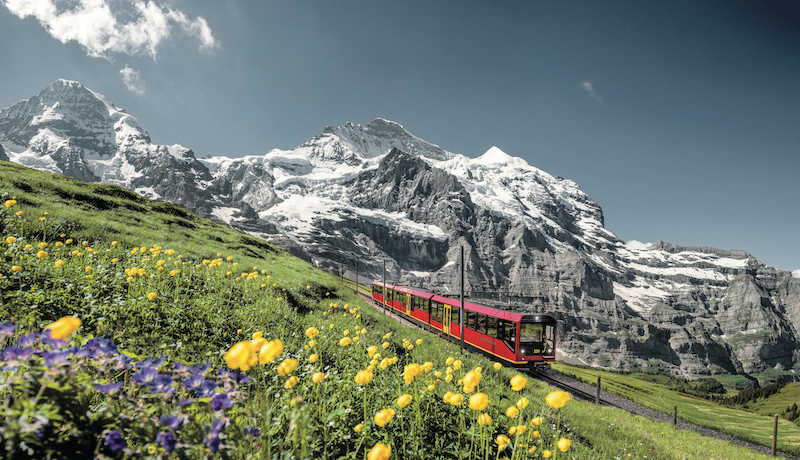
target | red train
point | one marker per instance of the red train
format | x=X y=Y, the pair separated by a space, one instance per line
x=518 y=340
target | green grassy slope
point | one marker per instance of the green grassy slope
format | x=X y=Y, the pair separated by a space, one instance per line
x=159 y=280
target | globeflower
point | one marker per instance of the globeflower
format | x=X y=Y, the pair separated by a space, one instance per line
x=363 y=377
x=317 y=377
x=457 y=399
x=64 y=327
x=404 y=400
x=238 y=356
x=312 y=332
x=523 y=403
x=11 y=240
x=269 y=351
x=287 y=367
x=383 y=417
x=563 y=444
x=380 y=451
x=484 y=419
x=518 y=382
x=512 y=412
x=10 y=203
x=497 y=366
x=479 y=402
x=345 y=342
x=557 y=399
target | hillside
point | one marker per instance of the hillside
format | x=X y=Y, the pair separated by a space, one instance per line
x=196 y=314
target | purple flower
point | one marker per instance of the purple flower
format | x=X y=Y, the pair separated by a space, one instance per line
x=252 y=431
x=27 y=339
x=235 y=376
x=48 y=339
x=54 y=358
x=151 y=362
x=167 y=440
x=162 y=385
x=110 y=388
x=145 y=375
x=114 y=440
x=193 y=381
x=216 y=426
x=207 y=389
x=103 y=344
x=173 y=422
x=221 y=402
x=7 y=329
x=17 y=353
x=212 y=441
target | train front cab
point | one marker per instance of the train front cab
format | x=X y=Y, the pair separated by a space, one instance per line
x=537 y=340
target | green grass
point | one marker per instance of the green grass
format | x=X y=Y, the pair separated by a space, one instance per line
x=745 y=425
x=215 y=302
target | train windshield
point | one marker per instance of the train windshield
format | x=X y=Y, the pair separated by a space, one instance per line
x=536 y=339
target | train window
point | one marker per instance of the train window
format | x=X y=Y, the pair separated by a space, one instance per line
x=531 y=339
x=426 y=305
x=491 y=326
x=435 y=312
x=471 y=318
x=481 y=326
x=454 y=315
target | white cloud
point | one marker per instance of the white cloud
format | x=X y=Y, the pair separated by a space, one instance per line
x=796 y=273
x=93 y=24
x=588 y=86
x=132 y=80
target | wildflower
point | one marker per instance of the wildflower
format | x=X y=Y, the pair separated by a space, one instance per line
x=345 y=342
x=292 y=381
x=152 y=296
x=523 y=403
x=512 y=412
x=220 y=401
x=371 y=351
x=557 y=399
x=518 y=382
x=10 y=203
x=110 y=388
x=502 y=442
x=457 y=399
x=114 y=440
x=59 y=263
x=457 y=364
x=383 y=417
x=534 y=434
x=563 y=444
x=358 y=428
x=547 y=454
x=317 y=377
x=385 y=345
x=380 y=451
x=484 y=419
x=472 y=379
x=418 y=342
x=497 y=366
x=16 y=268
x=270 y=351
x=536 y=422
x=238 y=356
x=167 y=440
x=11 y=240
x=479 y=402
x=363 y=377
x=313 y=358
x=404 y=400
x=19 y=213
x=521 y=429
x=7 y=329
x=64 y=327
x=287 y=367
x=312 y=332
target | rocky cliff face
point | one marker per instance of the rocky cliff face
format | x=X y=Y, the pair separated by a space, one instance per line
x=356 y=196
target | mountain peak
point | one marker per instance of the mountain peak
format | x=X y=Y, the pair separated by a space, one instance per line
x=494 y=155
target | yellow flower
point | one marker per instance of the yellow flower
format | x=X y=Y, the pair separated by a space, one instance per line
x=389 y=334
x=269 y=351
x=404 y=400
x=313 y=358
x=380 y=451
x=418 y=342
x=457 y=399
x=557 y=399
x=512 y=412
x=64 y=327
x=41 y=245
x=383 y=417
x=238 y=356
x=497 y=366
x=479 y=402
x=16 y=268
x=363 y=377
x=484 y=419
x=287 y=367
x=534 y=434
x=521 y=429
x=59 y=263
x=518 y=382
x=10 y=203
x=292 y=381
x=372 y=350
x=547 y=454
x=385 y=345
x=457 y=364
x=472 y=379
x=447 y=396
x=412 y=370
x=11 y=239
x=317 y=377
x=536 y=422
x=358 y=428
x=563 y=444
x=152 y=296
x=523 y=403
x=41 y=254
x=345 y=342
x=88 y=269
x=312 y=332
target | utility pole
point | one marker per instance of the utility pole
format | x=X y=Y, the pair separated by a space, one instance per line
x=384 y=285
x=461 y=310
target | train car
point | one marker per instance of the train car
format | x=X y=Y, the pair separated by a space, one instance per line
x=518 y=340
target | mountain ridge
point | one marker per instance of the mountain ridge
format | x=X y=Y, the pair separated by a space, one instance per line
x=361 y=194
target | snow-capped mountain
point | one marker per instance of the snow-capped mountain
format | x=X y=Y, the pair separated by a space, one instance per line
x=358 y=195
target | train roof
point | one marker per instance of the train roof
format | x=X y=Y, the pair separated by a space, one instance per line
x=501 y=314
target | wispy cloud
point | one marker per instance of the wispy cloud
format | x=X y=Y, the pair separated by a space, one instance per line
x=588 y=86
x=130 y=27
x=132 y=80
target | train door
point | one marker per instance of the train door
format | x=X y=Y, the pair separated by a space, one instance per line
x=408 y=303
x=446 y=318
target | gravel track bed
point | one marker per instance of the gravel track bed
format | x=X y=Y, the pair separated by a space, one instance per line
x=618 y=402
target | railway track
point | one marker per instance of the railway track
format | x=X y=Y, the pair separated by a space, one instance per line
x=585 y=392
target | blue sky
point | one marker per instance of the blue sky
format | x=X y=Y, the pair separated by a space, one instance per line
x=681 y=119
